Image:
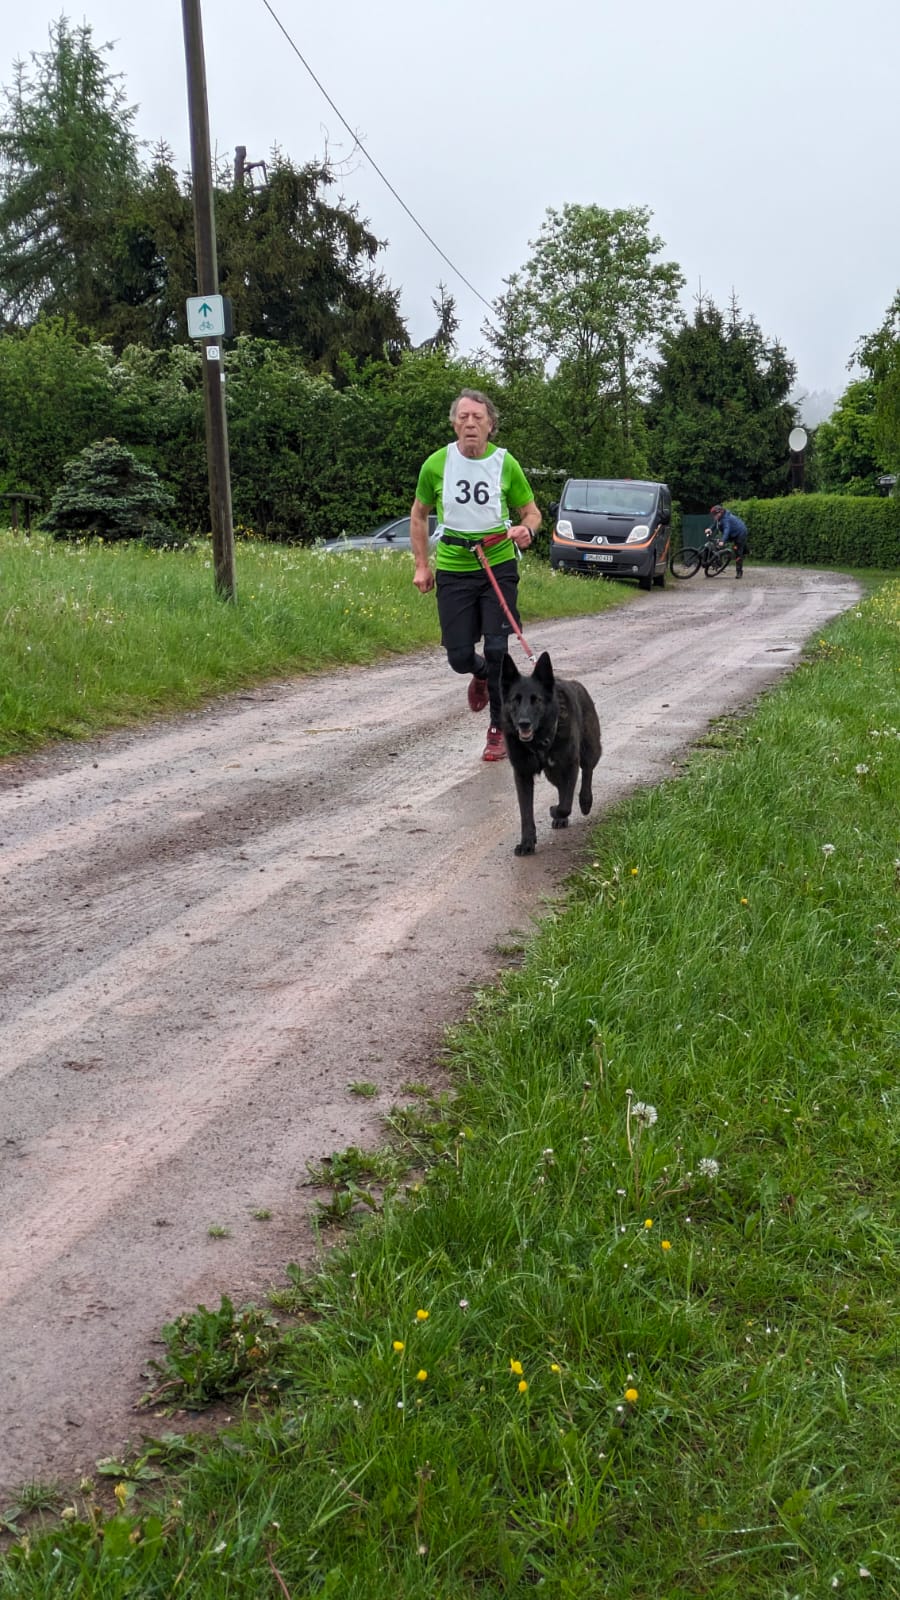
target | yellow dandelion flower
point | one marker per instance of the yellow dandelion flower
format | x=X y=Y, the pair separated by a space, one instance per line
x=634 y=872
x=665 y=1244
x=399 y=1345
x=121 y=1494
x=631 y=1395
x=515 y=1366
x=555 y=1366
x=422 y=1316
x=421 y=1375
x=649 y=1223
x=744 y=900
x=522 y=1385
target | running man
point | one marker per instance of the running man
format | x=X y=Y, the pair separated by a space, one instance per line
x=478 y=489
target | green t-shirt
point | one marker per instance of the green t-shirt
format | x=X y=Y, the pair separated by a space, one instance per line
x=458 y=509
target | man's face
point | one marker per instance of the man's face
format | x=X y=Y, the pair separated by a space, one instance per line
x=472 y=427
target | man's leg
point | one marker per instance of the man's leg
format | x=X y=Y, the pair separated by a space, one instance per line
x=497 y=627
x=459 y=613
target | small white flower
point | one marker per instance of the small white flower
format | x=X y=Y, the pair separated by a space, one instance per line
x=218 y=1548
x=463 y=1305
x=827 y=850
x=861 y=769
x=643 y=1113
x=708 y=1167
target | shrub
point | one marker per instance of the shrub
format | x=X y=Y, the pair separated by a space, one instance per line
x=824 y=529
x=107 y=493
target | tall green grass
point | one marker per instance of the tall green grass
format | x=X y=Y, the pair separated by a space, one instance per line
x=93 y=636
x=634 y=1333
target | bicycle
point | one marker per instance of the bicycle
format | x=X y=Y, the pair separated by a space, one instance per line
x=713 y=558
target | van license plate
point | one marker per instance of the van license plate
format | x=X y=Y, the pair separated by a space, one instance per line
x=592 y=556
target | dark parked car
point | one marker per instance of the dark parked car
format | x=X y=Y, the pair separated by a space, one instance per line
x=393 y=535
x=613 y=528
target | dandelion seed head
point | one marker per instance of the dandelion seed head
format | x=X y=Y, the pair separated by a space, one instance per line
x=644 y=1114
x=828 y=850
x=708 y=1167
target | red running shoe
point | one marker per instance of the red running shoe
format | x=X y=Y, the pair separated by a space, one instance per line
x=477 y=694
x=495 y=746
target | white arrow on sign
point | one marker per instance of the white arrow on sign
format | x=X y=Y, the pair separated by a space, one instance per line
x=205 y=316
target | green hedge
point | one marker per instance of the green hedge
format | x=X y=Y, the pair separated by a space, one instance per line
x=824 y=529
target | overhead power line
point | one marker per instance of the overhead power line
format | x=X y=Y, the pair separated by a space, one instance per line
x=372 y=162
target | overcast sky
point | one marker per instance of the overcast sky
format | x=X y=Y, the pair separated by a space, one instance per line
x=764 y=137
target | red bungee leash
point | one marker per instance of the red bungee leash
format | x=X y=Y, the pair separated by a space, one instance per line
x=488 y=540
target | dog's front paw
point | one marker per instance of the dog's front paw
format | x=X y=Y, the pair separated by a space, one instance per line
x=525 y=847
x=560 y=822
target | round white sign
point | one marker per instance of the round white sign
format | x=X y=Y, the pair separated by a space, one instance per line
x=797 y=439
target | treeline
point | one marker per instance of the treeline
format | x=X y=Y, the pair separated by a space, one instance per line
x=308 y=458
x=311 y=456
x=587 y=352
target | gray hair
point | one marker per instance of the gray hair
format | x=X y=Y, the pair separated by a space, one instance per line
x=482 y=400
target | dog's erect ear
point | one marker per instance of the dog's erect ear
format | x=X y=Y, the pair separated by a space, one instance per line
x=544 y=671
x=509 y=672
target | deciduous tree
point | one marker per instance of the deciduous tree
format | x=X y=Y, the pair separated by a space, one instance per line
x=848 y=458
x=879 y=356
x=588 y=308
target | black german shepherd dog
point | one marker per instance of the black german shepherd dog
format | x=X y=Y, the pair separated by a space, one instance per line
x=551 y=726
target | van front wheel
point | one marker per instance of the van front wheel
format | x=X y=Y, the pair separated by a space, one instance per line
x=646 y=583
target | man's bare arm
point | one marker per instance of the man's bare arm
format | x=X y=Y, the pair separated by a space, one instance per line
x=423 y=577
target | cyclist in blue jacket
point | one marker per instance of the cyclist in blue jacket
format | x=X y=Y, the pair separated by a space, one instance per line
x=731 y=530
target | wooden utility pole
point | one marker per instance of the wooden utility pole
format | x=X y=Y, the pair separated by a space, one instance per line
x=208 y=283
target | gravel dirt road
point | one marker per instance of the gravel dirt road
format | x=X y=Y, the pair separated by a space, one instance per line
x=213 y=927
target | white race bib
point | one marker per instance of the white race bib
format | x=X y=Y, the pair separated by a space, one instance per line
x=472 y=501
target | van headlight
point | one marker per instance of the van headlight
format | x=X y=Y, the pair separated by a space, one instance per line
x=564 y=529
x=638 y=534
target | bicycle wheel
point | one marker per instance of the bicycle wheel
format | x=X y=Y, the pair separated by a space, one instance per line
x=684 y=563
x=718 y=561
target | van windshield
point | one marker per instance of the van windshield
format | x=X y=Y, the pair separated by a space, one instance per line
x=608 y=498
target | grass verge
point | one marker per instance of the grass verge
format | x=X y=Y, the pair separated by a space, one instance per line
x=96 y=636
x=634 y=1334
